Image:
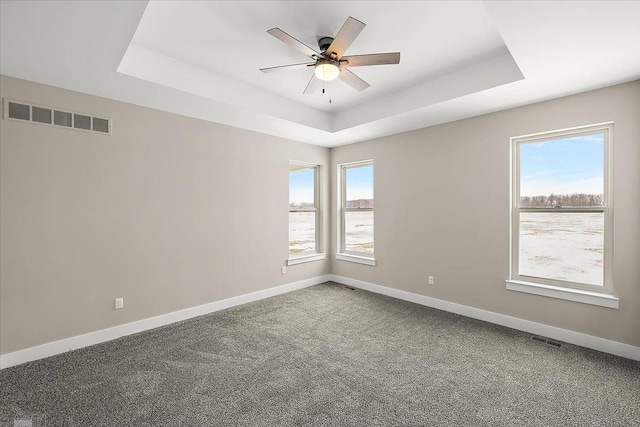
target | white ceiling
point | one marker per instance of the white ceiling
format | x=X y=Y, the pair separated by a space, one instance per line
x=202 y=59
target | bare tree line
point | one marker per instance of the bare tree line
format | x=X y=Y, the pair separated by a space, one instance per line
x=301 y=205
x=360 y=203
x=575 y=200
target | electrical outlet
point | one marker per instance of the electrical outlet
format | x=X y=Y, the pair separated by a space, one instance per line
x=119 y=303
x=283 y=270
x=431 y=280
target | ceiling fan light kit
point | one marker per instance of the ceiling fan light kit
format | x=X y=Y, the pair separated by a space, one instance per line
x=330 y=63
x=327 y=70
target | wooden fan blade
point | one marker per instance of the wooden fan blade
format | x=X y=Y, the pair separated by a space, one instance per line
x=353 y=80
x=345 y=37
x=372 y=59
x=313 y=85
x=293 y=42
x=288 y=67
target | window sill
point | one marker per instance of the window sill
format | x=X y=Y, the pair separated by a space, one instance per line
x=306 y=258
x=577 y=295
x=356 y=258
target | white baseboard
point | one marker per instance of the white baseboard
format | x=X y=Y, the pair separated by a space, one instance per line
x=583 y=340
x=68 y=344
x=73 y=343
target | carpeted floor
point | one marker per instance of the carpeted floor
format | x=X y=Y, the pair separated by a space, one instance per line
x=325 y=356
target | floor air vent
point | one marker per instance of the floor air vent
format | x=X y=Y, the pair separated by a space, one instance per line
x=21 y=111
x=547 y=341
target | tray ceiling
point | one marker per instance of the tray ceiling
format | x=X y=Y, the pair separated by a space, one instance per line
x=202 y=59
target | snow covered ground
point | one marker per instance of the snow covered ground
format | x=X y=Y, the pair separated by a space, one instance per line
x=302 y=232
x=561 y=246
x=359 y=232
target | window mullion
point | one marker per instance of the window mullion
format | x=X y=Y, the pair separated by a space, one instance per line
x=359 y=209
x=303 y=209
x=561 y=210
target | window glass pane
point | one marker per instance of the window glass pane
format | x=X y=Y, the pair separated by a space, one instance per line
x=358 y=231
x=565 y=246
x=301 y=187
x=565 y=172
x=302 y=232
x=359 y=187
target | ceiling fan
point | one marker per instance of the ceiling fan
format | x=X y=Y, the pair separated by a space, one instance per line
x=330 y=63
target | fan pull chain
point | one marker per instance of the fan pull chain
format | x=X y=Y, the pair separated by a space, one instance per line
x=323 y=91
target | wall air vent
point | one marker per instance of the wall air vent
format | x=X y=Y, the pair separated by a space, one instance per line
x=25 y=112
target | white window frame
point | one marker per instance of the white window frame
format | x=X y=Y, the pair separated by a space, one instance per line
x=316 y=254
x=574 y=291
x=342 y=254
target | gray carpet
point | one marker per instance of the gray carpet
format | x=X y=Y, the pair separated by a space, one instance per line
x=325 y=356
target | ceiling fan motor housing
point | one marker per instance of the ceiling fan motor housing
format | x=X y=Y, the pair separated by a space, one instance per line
x=324 y=43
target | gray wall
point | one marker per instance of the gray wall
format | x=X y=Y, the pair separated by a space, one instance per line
x=169 y=213
x=442 y=209
x=172 y=212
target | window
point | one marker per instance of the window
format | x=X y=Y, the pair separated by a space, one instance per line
x=304 y=216
x=356 y=213
x=561 y=210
